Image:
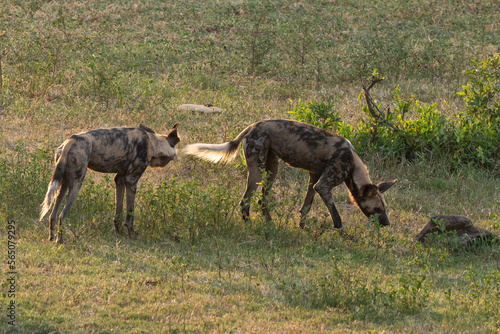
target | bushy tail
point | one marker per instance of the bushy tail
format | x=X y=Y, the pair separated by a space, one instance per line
x=217 y=153
x=55 y=182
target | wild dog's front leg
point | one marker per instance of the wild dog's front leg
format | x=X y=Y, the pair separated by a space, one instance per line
x=325 y=192
x=131 y=187
x=304 y=210
x=328 y=180
x=120 y=191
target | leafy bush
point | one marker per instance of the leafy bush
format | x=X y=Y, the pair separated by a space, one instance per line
x=320 y=114
x=482 y=93
x=397 y=133
x=365 y=297
x=477 y=134
x=475 y=139
x=410 y=295
x=413 y=127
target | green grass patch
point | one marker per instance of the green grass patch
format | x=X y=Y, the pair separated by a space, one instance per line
x=196 y=266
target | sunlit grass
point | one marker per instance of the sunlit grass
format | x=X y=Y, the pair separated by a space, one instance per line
x=196 y=266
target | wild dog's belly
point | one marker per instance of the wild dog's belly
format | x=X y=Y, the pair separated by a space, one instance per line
x=121 y=162
x=300 y=155
x=109 y=164
x=316 y=166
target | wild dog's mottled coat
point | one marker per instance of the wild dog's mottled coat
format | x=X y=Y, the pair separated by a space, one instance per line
x=330 y=160
x=124 y=151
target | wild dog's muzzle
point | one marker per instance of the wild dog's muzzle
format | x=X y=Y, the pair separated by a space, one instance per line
x=382 y=219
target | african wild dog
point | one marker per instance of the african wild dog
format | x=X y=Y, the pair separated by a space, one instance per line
x=329 y=159
x=124 y=151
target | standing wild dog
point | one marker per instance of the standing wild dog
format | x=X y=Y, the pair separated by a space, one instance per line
x=124 y=151
x=329 y=159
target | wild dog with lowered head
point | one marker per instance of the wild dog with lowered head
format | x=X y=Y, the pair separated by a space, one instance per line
x=124 y=151
x=329 y=159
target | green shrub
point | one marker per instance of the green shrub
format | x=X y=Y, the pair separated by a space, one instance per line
x=482 y=93
x=320 y=114
x=410 y=295
x=398 y=133
x=477 y=133
x=475 y=139
x=413 y=128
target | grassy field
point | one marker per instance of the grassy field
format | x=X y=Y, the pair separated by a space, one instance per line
x=70 y=66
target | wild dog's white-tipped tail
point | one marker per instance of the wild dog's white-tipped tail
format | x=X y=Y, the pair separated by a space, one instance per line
x=216 y=153
x=51 y=193
x=57 y=177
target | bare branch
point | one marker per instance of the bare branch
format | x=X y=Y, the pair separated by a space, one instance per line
x=373 y=109
x=372 y=83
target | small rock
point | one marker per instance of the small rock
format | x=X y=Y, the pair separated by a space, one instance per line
x=204 y=109
x=457 y=230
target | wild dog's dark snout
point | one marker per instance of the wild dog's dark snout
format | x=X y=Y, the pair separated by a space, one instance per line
x=383 y=220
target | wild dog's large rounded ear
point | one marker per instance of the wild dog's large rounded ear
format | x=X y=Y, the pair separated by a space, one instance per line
x=368 y=190
x=383 y=186
x=172 y=135
x=173 y=132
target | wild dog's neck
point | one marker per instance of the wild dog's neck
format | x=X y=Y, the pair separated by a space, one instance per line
x=357 y=179
x=354 y=190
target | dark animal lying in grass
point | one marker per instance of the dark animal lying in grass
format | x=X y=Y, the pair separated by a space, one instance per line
x=330 y=160
x=124 y=151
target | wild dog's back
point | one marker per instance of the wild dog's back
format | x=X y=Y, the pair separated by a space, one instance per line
x=298 y=144
x=115 y=149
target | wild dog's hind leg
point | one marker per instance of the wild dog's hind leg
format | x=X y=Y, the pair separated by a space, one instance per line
x=74 y=188
x=253 y=178
x=254 y=155
x=271 y=171
x=55 y=209
x=304 y=210
x=120 y=191
x=76 y=169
